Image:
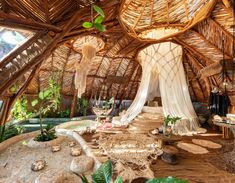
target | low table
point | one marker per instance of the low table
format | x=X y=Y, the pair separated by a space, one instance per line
x=229 y=157
x=231 y=127
x=165 y=140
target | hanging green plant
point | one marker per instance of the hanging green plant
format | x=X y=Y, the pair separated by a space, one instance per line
x=97 y=23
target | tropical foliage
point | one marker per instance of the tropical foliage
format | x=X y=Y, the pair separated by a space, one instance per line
x=10 y=130
x=19 y=110
x=82 y=105
x=97 y=23
x=48 y=99
x=105 y=172
x=170 y=120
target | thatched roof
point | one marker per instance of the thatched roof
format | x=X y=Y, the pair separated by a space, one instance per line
x=198 y=25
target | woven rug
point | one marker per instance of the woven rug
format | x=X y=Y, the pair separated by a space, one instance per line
x=206 y=143
x=192 y=148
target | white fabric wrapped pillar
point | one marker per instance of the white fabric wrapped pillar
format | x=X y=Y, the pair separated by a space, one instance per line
x=149 y=69
x=82 y=68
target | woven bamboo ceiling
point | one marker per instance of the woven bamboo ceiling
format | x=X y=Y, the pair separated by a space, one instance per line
x=131 y=25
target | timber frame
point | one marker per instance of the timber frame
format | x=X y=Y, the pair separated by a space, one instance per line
x=116 y=65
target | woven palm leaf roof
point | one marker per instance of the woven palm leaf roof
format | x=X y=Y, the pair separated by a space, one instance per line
x=57 y=25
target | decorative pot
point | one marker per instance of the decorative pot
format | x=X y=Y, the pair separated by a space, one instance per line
x=167 y=131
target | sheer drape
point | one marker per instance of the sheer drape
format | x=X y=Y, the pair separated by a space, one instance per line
x=165 y=60
x=149 y=74
x=173 y=87
x=82 y=68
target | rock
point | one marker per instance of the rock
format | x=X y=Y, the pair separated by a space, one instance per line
x=76 y=151
x=56 y=148
x=81 y=164
x=38 y=165
x=72 y=143
x=51 y=176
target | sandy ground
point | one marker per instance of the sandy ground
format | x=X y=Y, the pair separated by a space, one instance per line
x=15 y=162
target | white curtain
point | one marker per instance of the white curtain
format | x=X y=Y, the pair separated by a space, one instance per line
x=173 y=87
x=149 y=74
x=82 y=68
x=165 y=60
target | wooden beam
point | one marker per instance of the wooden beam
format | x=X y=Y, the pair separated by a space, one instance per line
x=3 y=114
x=192 y=49
x=39 y=58
x=4 y=6
x=221 y=28
x=228 y=4
x=15 y=21
x=210 y=44
x=113 y=78
x=199 y=68
x=46 y=10
x=199 y=84
x=21 y=49
x=13 y=99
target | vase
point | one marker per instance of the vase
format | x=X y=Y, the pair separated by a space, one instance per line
x=167 y=131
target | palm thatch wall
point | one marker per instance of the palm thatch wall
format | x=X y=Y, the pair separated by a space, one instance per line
x=207 y=37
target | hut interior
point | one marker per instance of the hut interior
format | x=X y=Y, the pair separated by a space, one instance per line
x=117 y=91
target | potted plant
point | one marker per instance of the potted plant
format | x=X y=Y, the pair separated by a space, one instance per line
x=168 y=121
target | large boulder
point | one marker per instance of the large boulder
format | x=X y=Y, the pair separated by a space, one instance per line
x=51 y=176
x=82 y=164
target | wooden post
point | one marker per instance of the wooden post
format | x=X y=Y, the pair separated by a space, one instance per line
x=74 y=102
x=3 y=113
x=11 y=101
x=15 y=21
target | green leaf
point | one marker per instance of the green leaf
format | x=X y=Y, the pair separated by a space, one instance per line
x=104 y=173
x=87 y=25
x=41 y=95
x=100 y=27
x=99 y=19
x=98 y=10
x=166 y=180
x=118 y=180
x=34 y=102
x=83 y=178
x=46 y=93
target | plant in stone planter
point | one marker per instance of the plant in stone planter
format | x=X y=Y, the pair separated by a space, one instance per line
x=169 y=120
x=48 y=99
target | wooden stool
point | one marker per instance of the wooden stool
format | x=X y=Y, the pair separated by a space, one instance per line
x=169 y=154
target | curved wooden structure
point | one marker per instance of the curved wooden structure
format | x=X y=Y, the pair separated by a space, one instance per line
x=203 y=28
